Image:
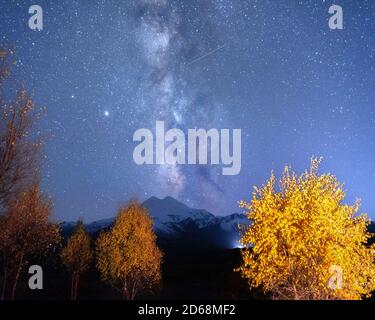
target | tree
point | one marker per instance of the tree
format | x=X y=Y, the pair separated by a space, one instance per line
x=25 y=232
x=127 y=255
x=19 y=191
x=18 y=149
x=304 y=242
x=77 y=256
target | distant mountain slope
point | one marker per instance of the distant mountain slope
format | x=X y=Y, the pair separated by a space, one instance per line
x=175 y=221
x=171 y=216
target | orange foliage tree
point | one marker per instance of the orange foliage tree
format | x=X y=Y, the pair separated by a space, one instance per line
x=77 y=256
x=19 y=147
x=25 y=232
x=304 y=242
x=25 y=229
x=127 y=255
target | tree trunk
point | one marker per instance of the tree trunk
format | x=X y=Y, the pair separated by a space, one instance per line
x=125 y=293
x=5 y=273
x=17 y=277
x=133 y=290
x=295 y=291
x=72 y=287
x=76 y=286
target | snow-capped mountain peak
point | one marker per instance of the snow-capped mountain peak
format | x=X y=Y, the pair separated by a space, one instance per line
x=168 y=212
x=173 y=218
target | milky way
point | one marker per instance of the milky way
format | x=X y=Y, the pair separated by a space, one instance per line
x=274 y=69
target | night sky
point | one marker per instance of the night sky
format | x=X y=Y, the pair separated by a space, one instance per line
x=271 y=68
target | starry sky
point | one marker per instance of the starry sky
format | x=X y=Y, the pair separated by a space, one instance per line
x=274 y=69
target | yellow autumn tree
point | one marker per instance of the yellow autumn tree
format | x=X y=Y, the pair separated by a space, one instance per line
x=128 y=257
x=77 y=256
x=25 y=232
x=304 y=242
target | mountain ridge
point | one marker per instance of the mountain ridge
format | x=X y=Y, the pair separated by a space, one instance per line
x=175 y=220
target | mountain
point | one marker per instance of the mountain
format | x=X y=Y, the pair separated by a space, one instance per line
x=177 y=224
x=171 y=216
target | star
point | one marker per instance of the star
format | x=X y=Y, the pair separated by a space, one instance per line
x=196 y=64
